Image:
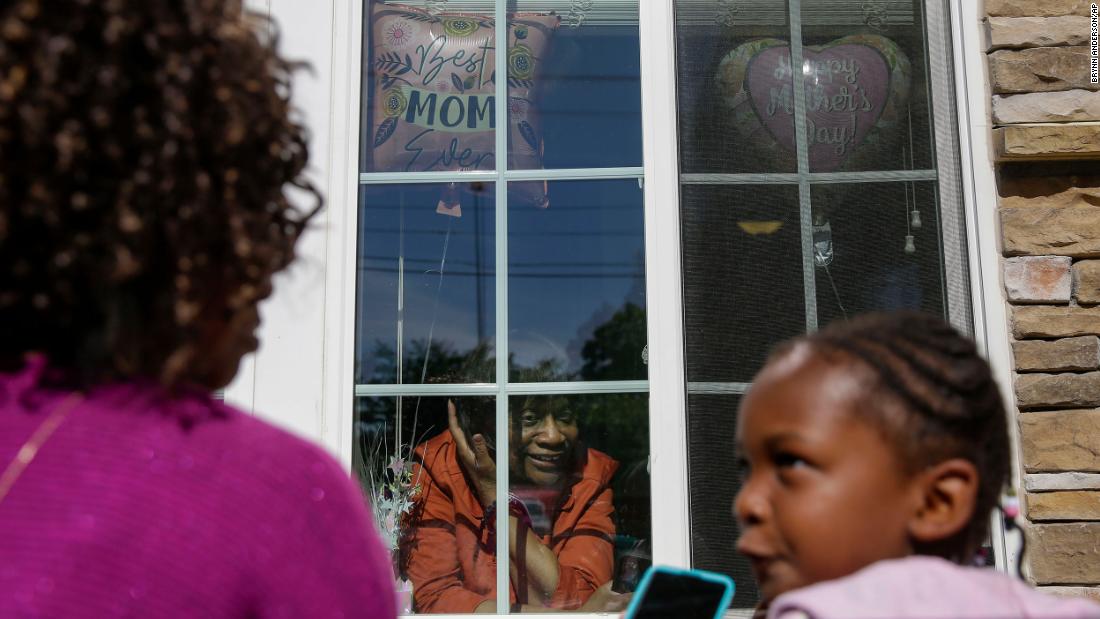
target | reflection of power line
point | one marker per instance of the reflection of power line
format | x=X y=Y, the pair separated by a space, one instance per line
x=513 y=274
x=611 y=233
x=532 y=265
x=375 y=206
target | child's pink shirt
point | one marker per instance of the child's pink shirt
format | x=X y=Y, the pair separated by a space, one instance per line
x=921 y=587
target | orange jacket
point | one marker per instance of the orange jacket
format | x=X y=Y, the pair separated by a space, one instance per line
x=449 y=558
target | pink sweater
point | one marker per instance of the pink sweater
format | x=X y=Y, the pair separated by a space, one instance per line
x=920 y=587
x=145 y=506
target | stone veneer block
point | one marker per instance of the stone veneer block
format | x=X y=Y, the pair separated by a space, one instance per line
x=1045 y=321
x=1089 y=593
x=1048 y=141
x=1074 y=505
x=1049 y=191
x=1058 y=390
x=1037 y=31
x=1064 y=554
x=1072 y=354
x=1051 y=231
x=1036 y=8
x=1063 y=441
x=1051 y=482
x=1040 y=69
x=1086 y=279
x=1039 y=279
x=1047 y=107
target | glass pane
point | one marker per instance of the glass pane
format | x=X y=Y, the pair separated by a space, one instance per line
x=576 y=282
x=574 y=95
x=575 y=87
x=580 y=475
x=713 y=479
x=865 y=78
x=879 y=249
x=875 y=246
x=429 y=516
x=867 y=95
x=425 y=306
x=428 y=101
x=724 y=128
x=742 y=263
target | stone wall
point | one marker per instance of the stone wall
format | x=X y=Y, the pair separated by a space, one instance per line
x=1046 y=137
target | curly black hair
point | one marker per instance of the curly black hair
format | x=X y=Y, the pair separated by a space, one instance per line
x=146 y=147
x=952 y=407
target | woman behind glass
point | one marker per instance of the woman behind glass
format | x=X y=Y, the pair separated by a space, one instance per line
x=450 y=556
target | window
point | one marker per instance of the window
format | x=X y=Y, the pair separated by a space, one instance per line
x=818 y=179
x=501 y=289
x=512 y=266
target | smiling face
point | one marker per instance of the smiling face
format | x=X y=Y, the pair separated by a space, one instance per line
x=545 y=441
x=824 y=493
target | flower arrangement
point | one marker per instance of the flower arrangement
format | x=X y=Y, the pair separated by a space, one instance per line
x=391 y=488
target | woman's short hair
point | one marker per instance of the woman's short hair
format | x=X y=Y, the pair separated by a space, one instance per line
x=145 y=146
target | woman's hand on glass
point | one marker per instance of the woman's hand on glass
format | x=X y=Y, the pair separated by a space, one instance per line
x=475 y=458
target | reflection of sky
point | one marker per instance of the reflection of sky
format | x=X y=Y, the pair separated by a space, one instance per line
x=584 y=257
x=571 y=266
x=467 y=284
x=590 y=99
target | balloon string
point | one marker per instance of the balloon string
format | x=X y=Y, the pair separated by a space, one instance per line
x=435 y=316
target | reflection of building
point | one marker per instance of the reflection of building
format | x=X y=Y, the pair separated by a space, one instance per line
x=733 y=209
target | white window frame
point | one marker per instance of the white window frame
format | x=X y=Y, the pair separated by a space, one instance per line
x=979 y=192
x=302 y=377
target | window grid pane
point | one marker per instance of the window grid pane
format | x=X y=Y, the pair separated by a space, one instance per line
x=920 y=174
x=399 y=394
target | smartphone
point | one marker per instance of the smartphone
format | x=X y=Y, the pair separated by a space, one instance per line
x=680 y=593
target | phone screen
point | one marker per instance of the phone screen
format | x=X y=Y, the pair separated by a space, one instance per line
x=681 y=596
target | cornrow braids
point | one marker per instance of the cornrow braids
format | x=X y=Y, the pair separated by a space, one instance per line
x=952 y=405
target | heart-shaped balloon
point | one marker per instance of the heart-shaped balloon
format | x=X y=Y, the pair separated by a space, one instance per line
x=856 y=88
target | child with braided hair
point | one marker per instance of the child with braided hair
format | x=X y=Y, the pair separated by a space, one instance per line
x=873 y=454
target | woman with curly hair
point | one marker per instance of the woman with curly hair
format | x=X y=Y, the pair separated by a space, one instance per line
x=145 y=146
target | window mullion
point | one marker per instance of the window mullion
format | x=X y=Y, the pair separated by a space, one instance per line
x=664 y=291
x=805 y=208
x=500 y=84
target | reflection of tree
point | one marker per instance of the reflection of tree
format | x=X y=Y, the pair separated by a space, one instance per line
x=442 y=361
x=614 y=352
x=546 y=370
x=619 y=423
x=377 y=416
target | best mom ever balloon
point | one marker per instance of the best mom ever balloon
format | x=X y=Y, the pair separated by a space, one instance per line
x=434 y=104
x=856 y=90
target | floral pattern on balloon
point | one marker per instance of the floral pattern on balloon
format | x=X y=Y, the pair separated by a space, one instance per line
x=521 y=62
x=399 y=33
x=394 y=102
x=460 y=26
